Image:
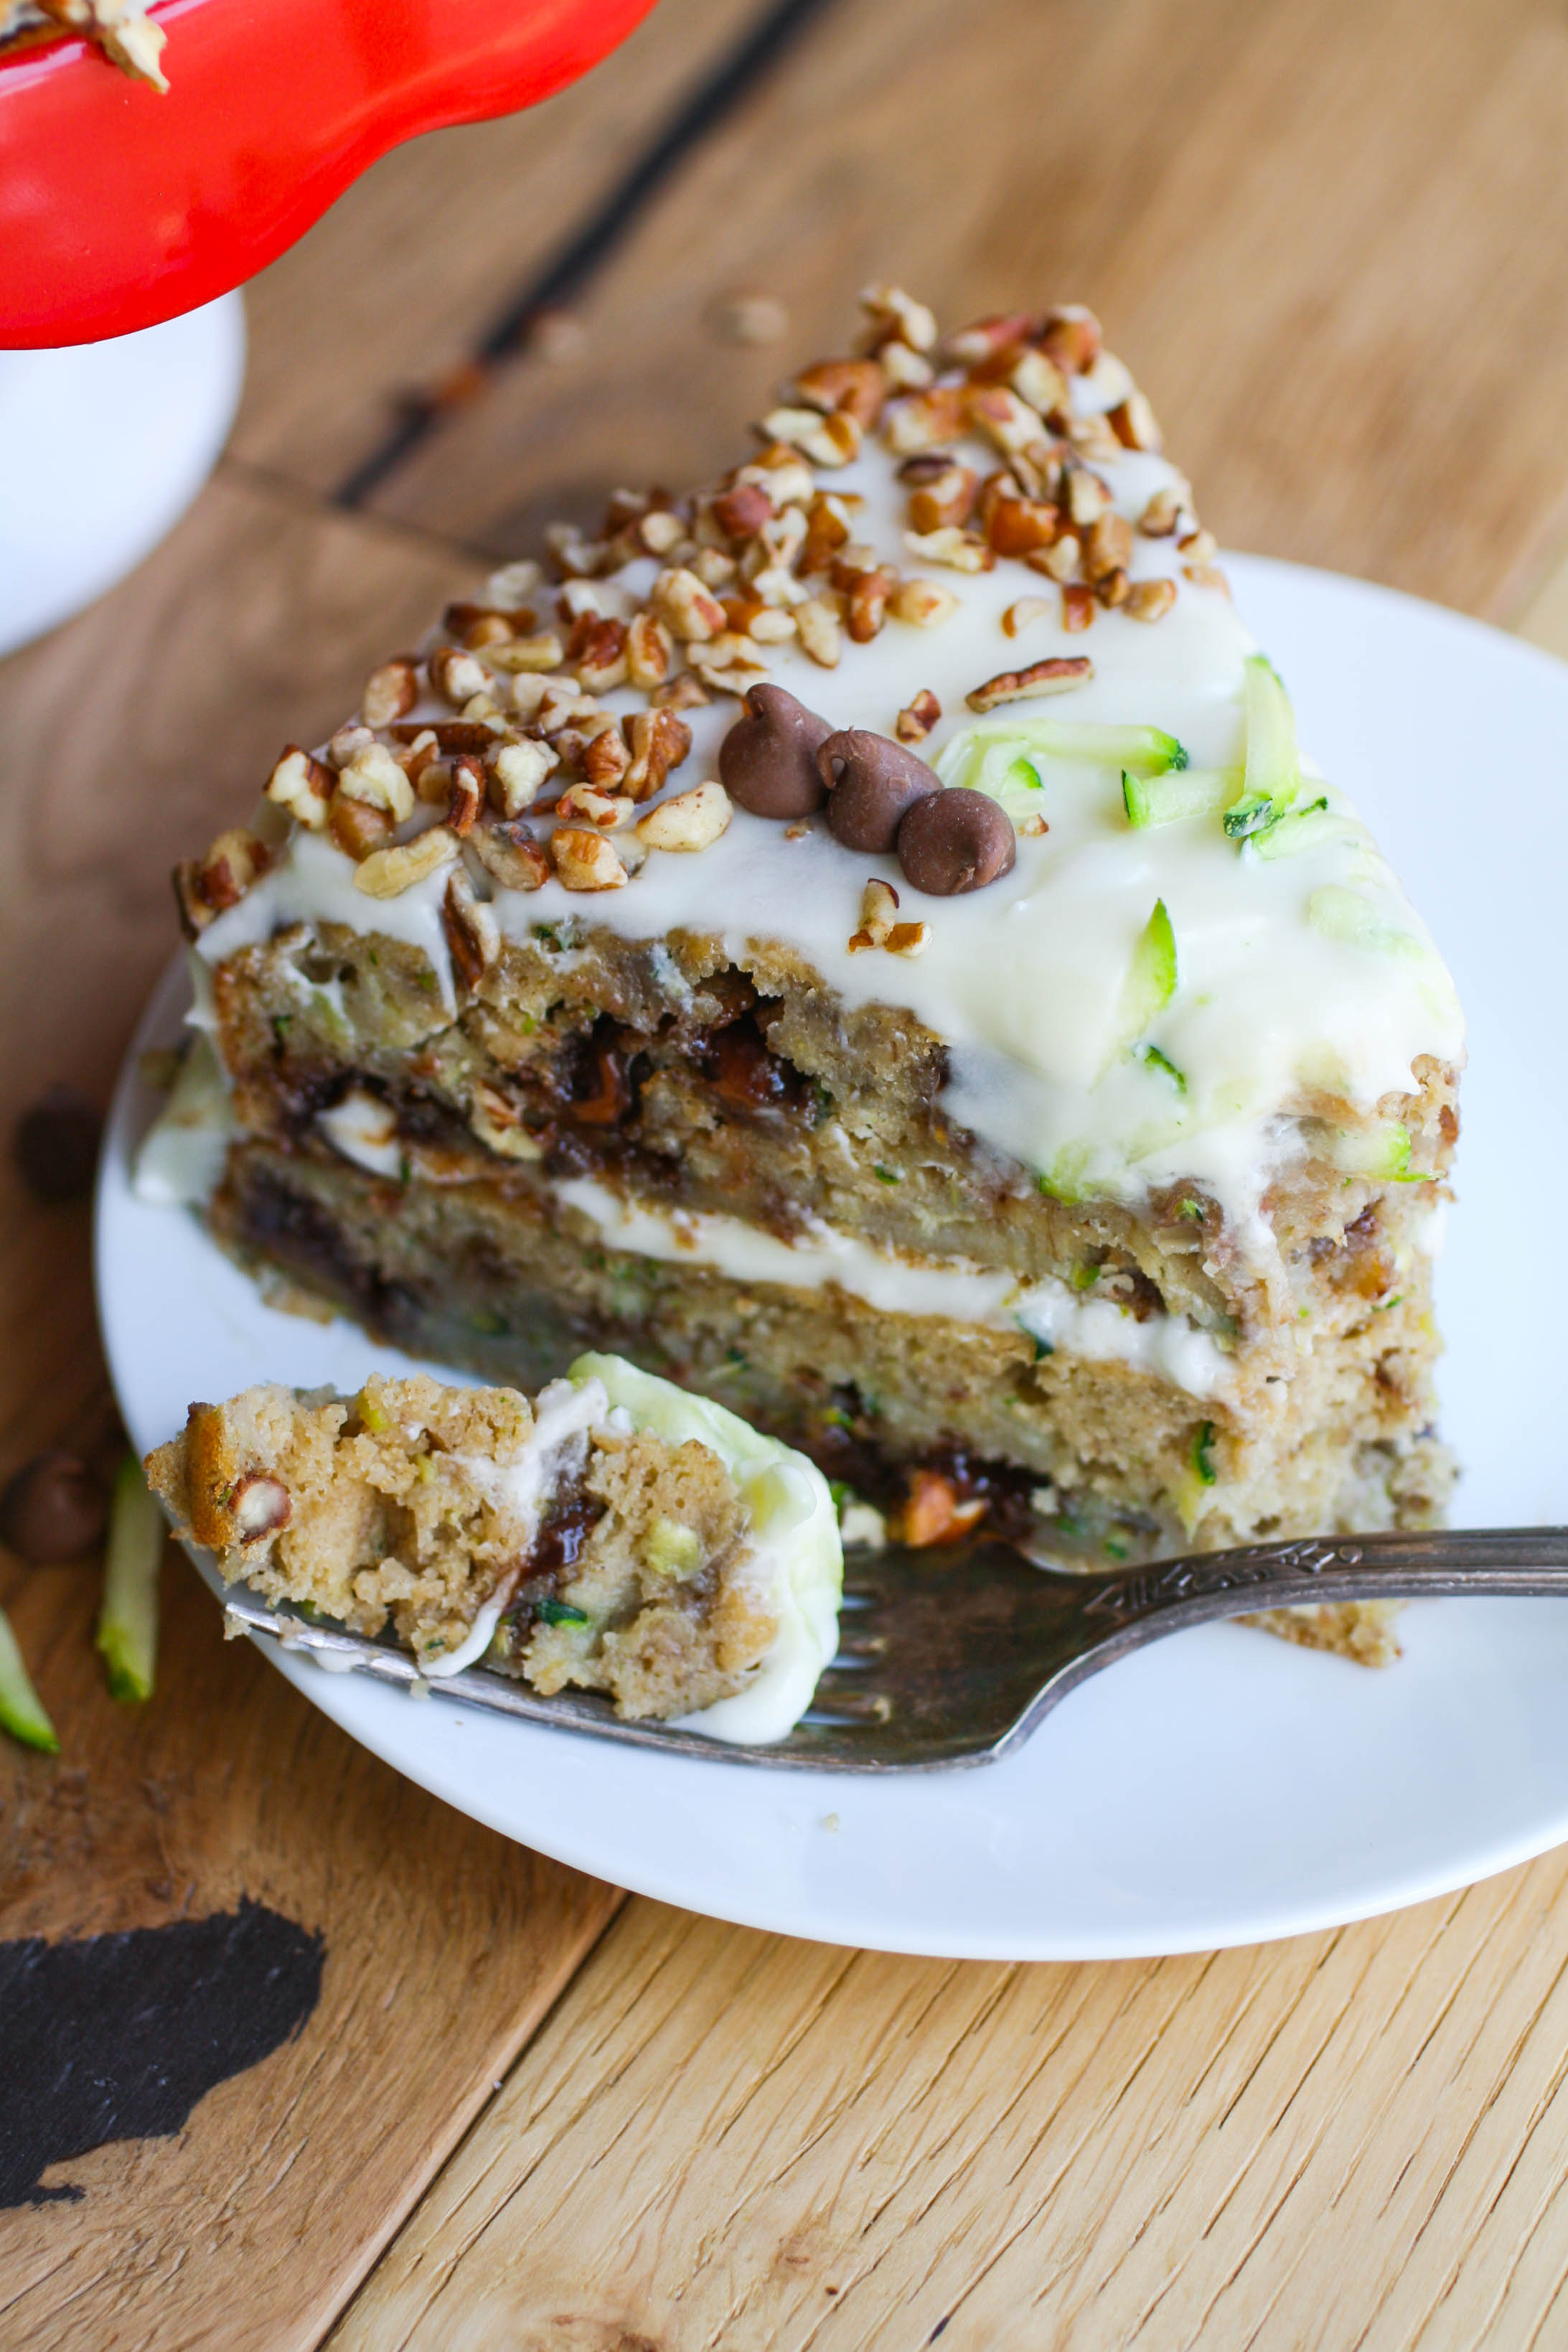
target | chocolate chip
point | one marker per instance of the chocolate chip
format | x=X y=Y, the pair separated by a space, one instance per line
x=53 y=1509
x=873 y=783
x=767 y=762
x=56 y=1145
x=955 y=841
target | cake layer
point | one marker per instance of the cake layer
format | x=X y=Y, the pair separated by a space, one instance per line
x=511 y=1283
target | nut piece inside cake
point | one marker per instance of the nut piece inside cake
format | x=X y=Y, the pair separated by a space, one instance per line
x=864 y=940
x=649 y=1548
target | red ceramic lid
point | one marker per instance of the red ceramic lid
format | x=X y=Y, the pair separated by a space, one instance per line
x=120 y=207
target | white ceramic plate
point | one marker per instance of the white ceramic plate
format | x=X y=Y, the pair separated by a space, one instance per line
x=1221 y=1787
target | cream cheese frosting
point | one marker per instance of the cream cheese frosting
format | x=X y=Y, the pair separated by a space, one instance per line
x=1298 y=978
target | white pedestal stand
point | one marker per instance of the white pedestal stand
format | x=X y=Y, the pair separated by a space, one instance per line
x=102 y=447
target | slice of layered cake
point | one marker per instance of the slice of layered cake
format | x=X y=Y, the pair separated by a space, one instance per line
x=862 y=941
x=615 y=1535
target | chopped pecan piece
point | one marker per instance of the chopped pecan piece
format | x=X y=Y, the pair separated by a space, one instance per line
x=689 y=821
x=960 y=550
x=457 y=676
x=741 y=512
x=517 y=773
x=820 y=632
x=1162 y=514
x=649 y=651
x=857 y=388
x=1071 y=337
x=357 y=827
x=466 y=796
x=301 y=785
x=926 y=420
x=917 y=717
x=584 y=860
x=1017 y=526
x=1150 y=600
x=943 y=495
x=866 y=602
x=658 y=741
x=473 y=934
x=511 y=856
x=1058 y=675
x=1077 y=606
x=1134 y=422
x=684 y=606
x=892 y=312
x=1107 y=546
x=923 y=603
x=388 y=873
x=389 y=692
x=1023 y=612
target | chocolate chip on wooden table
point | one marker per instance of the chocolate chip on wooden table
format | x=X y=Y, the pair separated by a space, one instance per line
x=53 y=1509
x=767 y=762
x=56 y=1145
x=873 y=783
x=955 y=840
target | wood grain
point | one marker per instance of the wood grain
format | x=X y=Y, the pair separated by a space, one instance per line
x=395 y=285
x=727 y=2140
x=1333 y=239
x=443 y=1948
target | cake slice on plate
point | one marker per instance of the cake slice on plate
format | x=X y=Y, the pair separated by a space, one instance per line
x=864 y=941
x=614 y=1535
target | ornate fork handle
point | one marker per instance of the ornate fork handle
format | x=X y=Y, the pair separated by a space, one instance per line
x=1440 y=1563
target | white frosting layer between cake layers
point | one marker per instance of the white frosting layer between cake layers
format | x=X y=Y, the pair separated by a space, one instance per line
x=1025 y=979
x=1098 y=1329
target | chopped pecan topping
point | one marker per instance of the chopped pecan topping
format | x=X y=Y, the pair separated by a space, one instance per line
x=1077 y=606
x=1133 y=424
x=1071 y=337
x=388 y=873
x=517 y=773
x=686 y=609
x=689 y=821
x=926 y=420
x=375 y=777
x=866 y=602
x=943 y=495
x=892 y=314
x=1150 y=600
x=1162 y=514
x=649 y=651
x=830 y=440
x=584 y=859
x=857 y=388
x=301 y=785
x=1107 y=546
x=457 y=676
x=511 y=854
x=389 y=692
x=741 y=512
x=467 y=794
x=820 y=632
x=1017 y=526
x=923 y=603
x=960 y=550
x=473 y=934
x=1058 y=675
x=917 y=717
x=357 y=827
x=658 y=741
x=209 y=885
x=1023 y=612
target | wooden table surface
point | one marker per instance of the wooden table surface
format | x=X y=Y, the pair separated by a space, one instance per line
x=509 y=2107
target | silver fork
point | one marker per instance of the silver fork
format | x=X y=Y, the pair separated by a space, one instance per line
x=955 y=1656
